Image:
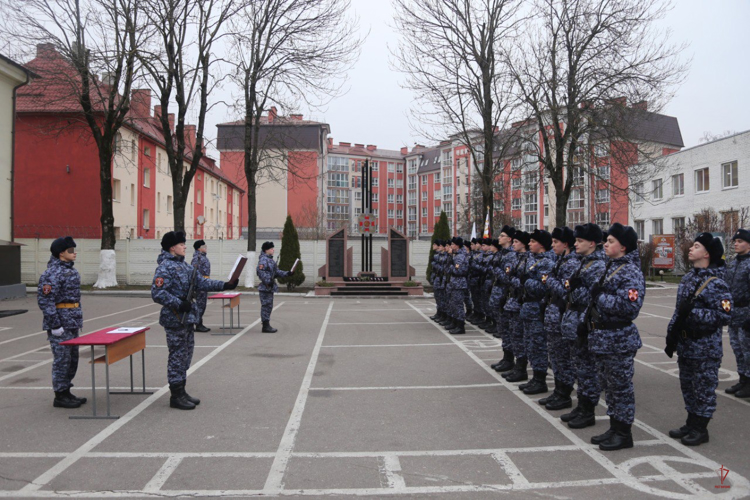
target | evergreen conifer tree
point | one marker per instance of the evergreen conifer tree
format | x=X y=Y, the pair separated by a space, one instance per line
x=442 y=232
x=289 y=253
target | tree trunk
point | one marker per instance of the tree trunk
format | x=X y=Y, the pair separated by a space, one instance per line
x=107 y=275
x=178 y=205
x=561 y=202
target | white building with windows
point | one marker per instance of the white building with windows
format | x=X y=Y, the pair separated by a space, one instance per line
x=713 y=175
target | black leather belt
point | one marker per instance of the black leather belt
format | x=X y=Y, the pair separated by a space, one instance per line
x=611 y=325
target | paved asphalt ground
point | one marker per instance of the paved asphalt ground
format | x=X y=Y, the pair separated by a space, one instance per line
x=351 y=397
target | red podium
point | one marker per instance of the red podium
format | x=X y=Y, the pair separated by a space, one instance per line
x=229 y=300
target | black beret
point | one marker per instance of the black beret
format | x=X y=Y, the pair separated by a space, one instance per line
x=714 y=247
x=474 y=240
x=457 y=240
x=542 y=237
x=495 y=243
x=467 y=243
x=742 y=234
x=509 y=230
x=265 y=246
x=523 y=237
x=626 y=235
x=61 y=244
x=589 y=232
x=564 y=234
x=198 y=244
x=171 y=239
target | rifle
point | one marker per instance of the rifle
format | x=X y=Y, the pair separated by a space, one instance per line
x=518 y=293
x=591 y=315
x=192 y=291
x=679 y=325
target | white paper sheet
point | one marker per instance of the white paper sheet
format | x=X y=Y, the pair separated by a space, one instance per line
x=126 y=330
x=293 y=266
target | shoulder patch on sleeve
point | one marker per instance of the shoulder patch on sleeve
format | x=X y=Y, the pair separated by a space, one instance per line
x=507 y=270
x=567 y=284
x=544 y=278
x=726 y=305
x=260 y=266
x=47 y=289
x=633 y=294
x=159 y=282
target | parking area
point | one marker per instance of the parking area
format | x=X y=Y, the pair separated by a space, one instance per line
x=352 y=397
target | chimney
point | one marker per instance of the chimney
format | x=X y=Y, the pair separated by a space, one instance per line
x=642 y=105
x=620 y=101
x=190 y=137
x=296 y=117
x=405 y=150
x=170 y=117
x=140 y=103
x=586 y=105
x=330 y=142
x=272 y=114
x=417 y=147
x=45 y=50
x=157 y=112
x=345 y=144
x=359 y=146
x=371 y=147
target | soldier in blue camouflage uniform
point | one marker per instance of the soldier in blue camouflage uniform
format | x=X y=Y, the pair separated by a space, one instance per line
x=59 y=298
x=540 y=263
x=560 y=353
x=475 y=276
x=170 y=289
x=704 y=306
x=268 y=270
x=738 y=279
x=441 y=281
x=613 y=337
x=515 y=273
x=435 y=279
x=492 y=261
x=458 y=285
x=500 y=294
x=590 y=268
x=469 y=301
x=203 y=265
x=449 y=323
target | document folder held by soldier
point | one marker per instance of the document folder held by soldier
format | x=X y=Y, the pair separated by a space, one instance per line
x=239 y=265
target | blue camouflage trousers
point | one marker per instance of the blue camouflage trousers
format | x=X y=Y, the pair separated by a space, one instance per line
x=560 y=356
x=266 y=305
x=616 y=375
x=64 y=360
x=180 y=343
x=469 y=301
x=698 y=381
x=496 y=297
x=439 y=294
x=587 y=373
x=740 y=342
x=535 y=340
x=457 y=298
x=474 y=291
x=486 y=295
x=515 y=325
x=201 y=299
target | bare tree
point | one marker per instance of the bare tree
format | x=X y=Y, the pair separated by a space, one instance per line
x=181 y=61
x=710 y=136
x=576 y=67
x=450 y=52
x=80 y=40
x=287 y=52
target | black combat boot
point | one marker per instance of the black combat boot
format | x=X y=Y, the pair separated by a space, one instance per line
x=75 y=398
x=622 y=437
x=470 y=314
x=459 y=329
x=190 y=398
x=538 y=384
x=599 y=439
x=445 y=321
x=685 y=429
x=743 y=392
x=267 y=328
x=435 y=316
x=505 y=364
x=567 y=417
x=483 y=323
x=698 y=432
x=736 y=387
x=492 y=328
x=519 y=372
x=587 y=416
x=562 y=399
x=63 y=401
x=200 y=327
x=450 y=324
x=178 y=399
x=551 y=397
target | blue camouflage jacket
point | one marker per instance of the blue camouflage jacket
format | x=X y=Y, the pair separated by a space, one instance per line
x=514 y=269
x=459 y=270
x=620 y=300
x=737 y=277
x=501 y=280
x=491 y=260
x=268 y=270
x=711 y=310
x=438 y=270
x=537 y=266
x=589 y=270
x=201 y=262
x=476 y=268
x=171 y=285
x=60 y=283
x=565 y=267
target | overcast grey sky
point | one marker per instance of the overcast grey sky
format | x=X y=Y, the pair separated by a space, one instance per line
x=715 y=96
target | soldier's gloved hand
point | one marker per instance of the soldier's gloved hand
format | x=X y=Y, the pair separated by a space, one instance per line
x=231 y=285
x=746 y=325
x=58 y=331
x=596 y=289
x=575 y=282
x=185 y=306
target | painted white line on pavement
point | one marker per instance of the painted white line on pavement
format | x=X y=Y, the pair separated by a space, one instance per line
x=513 y=472
x=72 y=458
x=275 y=479
x=402 y=387
x=393 y=323
x=85 y=321
x=78 y=387
x=393 y=472
x=22 y=360
x=162 y=475
x=368 y=310
x=386 y=345
x=653 y=315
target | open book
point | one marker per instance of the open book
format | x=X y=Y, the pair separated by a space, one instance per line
x=294 y=265
x=239 y=265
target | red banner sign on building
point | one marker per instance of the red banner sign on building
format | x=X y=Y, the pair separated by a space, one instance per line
x=663 y=251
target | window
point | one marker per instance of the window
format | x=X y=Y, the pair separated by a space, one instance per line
x=531 y=181
x=424 y=211
x=116 y=190
x=390 y=182
x=412 y=182
x=158 y=162
x=656 y=189
x=117 y=233
x=338 y=164
x=200 y=197
x=375 y=198
x=145 y=219
x=678 y=224
x=399 y=214
x=358 y=195
x=374 y=166
x=158 y=202
x=199 y=176
x=147 y=150
x=530 y=222
x=602 y=219
x=515 y=164
x=448 y=209
x=424 y=180
x=424 y=195
x=437 y=210
x=133 y=149
x=390 y=198
x=729 y=175
x=530 y=203
x=458 y=199
x=390 y=213
x=391 y=167
x=731 y=219
x=678 y=185
x=447 y=192
x=436 y=194
x=338 y=212
x=458 y=181
x=399 y=198
x=338 y=180
x=437 y=178
x=399 y=167
x=575 y=201
x=132 y=195
x=657 y=226
x=604 y=172
x=601 y=150
x=147 y=177
x=516 y=204
x=515 y=183
x=400 y=183
x=340 y=196
x=638 y=188
x=376 y=182
x=356 y=182
x=640 y=229
x=118 y=143
x=602 y=196
x=702 y=183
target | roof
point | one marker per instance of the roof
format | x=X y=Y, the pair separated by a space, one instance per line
x=281 y=134
x=18 y=66
x=362 y=150
x=430 y=160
